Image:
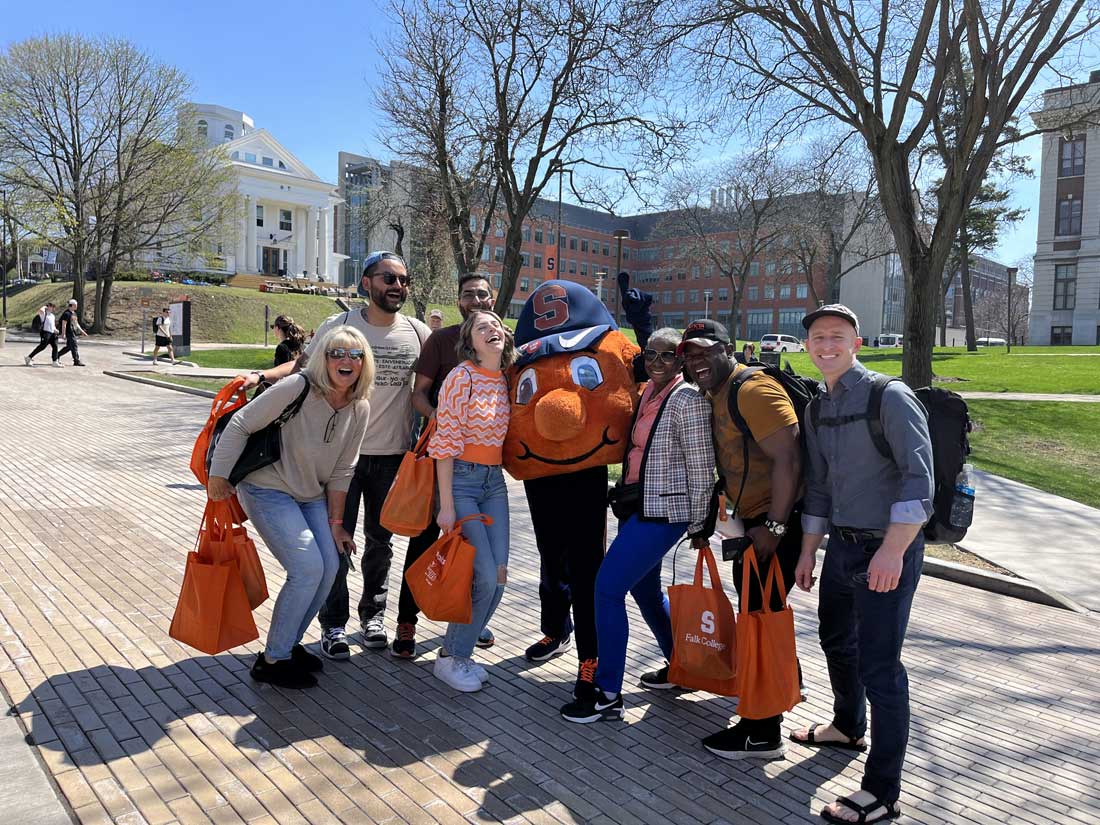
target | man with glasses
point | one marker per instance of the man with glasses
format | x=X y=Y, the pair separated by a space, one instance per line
x=396 y=341
x=762 y=475
x=439 y=357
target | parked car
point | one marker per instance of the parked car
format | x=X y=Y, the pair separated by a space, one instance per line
x=780 y=343
x=890 y=339
x=992 y=342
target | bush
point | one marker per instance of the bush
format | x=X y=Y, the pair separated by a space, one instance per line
x=132 y=275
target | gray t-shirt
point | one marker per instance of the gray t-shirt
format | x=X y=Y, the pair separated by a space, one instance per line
x=395 y=349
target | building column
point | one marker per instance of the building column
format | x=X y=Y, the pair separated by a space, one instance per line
x=250 y=237
x=242 y=239
x=299 y=240
x=311 y=240
x=323 y=243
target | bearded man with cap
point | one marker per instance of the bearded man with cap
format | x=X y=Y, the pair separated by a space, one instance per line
x=873 y=507
x=761 y=472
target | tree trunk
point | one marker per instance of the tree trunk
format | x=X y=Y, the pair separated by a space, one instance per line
x=943 y=316
x=103 y=300
x=78 y=279
x=513 y=241
x=968 y=295
x=922 y=287
x=98 y=325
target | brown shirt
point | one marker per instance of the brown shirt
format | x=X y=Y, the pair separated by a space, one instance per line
x=764 y=405
x=438 y=358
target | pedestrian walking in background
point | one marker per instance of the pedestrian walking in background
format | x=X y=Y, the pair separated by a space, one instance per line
x=46 y=322
x=873 y=507
x=69 y=331
x=162 y=335
x=471 y=422
x=290 y=344
x=297 y=503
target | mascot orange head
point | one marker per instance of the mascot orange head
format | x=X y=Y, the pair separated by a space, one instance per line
x=573 y=388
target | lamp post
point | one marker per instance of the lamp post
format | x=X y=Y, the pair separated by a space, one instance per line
x=599 y=284
x=1011 y=327
x=620 y=235
x=706 y=303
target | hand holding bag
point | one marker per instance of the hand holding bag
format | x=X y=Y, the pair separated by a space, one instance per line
x=442 y=579
x=767 y=667
x=229 y=399
x=223 y=538
x=703 y=633
x=407 y=510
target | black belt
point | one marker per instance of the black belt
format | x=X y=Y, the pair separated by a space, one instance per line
x=854 y=536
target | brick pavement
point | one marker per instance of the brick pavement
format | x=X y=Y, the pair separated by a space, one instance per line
x=97 y=509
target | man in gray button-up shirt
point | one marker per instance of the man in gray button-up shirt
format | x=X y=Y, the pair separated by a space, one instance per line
x=873 y=508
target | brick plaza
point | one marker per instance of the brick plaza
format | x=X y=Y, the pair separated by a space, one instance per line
x=98 y=508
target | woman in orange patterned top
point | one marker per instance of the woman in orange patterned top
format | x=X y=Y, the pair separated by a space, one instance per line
x=471 y=422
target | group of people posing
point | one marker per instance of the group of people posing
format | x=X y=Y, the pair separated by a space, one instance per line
x=702 y=413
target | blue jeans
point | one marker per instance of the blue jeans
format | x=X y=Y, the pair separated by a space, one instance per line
x=862 y=633
x=632 y=564
x=479 y=488
x=298 y=535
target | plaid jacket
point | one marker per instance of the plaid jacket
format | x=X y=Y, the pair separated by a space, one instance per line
x=677 y=470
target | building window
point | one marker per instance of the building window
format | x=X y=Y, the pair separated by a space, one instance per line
x=679 y=296
x=693 y=296
x=269 y=162
x=752 y=293
x=754 y=269
x=1061 y=336
x=236 y=155
x=496 y=281
x=500 y=229
x=523 y=284
x=524 y=259
x=526 y=233
x=769 y=292
x=474 y=226
x=573 y=266
x=498 y=254
x=584 y=244
x=606 y=250
x=695 y=273
x=285 y=220
x=228 y=133
x=1072 y=157
x=723 y=294
x=584 y=268
x=626 y=254
x=572 y=242
x=249 y=157
x=485 y=253
x=769 y=269
x=259 y=215
x=802 y=291
x=538 y=262
x=538 y=236
x=666 y=296
x=1065 y=286
x=784 y=292
x=1069 y=217
x=282 y=166
x=561 y=241
x=201 y=128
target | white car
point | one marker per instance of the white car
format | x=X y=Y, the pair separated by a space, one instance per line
x=780 y=343
x=891 y=339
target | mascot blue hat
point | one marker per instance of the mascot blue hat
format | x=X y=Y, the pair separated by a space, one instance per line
x=560 y=316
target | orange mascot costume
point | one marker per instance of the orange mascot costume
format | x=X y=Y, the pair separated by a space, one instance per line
x=574 y=390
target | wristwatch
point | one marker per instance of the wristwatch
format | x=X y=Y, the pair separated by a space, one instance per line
x=776 y=528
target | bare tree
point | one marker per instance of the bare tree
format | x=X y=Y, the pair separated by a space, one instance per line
x=746 y=214
x=883 y=69
x=1004 y=313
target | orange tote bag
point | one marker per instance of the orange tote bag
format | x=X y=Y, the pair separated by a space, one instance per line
x=407 y=510
x=767 y=666
x=212 y=614
x=703 y=633
x=442 y=579
x=231 y=397
x=223 y=538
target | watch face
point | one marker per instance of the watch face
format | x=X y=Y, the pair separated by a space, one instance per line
x=777 y=528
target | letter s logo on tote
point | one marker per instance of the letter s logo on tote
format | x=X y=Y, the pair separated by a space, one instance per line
x=706 y=625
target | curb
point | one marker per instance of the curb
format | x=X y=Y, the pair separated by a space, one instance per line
x=997 y=583
x=164 y=385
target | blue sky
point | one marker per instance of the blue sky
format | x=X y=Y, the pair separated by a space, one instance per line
x=301 y=70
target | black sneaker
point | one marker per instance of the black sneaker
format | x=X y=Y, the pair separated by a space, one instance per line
x=596 y=708
x=374 y=633
x=334 y=644
x=404 y=643
x=486 y=638
x=284 y=673
x=304 y=660
x=658 y=680
x=738 y=743
x=585 y=687
x=547 y=648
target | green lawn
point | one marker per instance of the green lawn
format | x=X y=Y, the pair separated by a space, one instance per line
x=1051 y=446
x=243 y=358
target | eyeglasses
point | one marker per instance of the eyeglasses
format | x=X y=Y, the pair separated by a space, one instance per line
x=389 y=279
x=476 y=294
x=666 y=356
x=339 y=353
x=330 y=427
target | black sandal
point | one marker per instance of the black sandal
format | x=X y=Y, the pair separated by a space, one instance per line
x=893 y=811
x=811 y=741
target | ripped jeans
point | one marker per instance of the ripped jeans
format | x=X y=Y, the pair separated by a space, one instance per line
x=480 y=488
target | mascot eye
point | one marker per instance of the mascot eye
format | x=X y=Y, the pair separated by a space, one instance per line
x=527 y=387
x=586 y=372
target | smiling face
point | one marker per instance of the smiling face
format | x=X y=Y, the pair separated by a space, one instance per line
x=344 y=362
x=571 y=410
x=474 y=294
x=387 y=297
x=662 y=364
x=833 y=344
x=708 y=362
x=487 y=337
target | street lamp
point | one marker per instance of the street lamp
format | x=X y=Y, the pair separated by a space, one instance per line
x=619 y=235
x=599 y=284
x=706 y=303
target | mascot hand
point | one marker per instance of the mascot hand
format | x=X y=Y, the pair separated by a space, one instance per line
x=636 y=308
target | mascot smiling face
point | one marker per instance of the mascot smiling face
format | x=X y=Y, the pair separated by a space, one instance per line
x=573 y=388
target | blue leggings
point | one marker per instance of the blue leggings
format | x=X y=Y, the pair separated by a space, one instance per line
x=632 y=565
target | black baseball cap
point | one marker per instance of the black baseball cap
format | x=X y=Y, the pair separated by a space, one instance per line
x=706 y=330
x=836 y=311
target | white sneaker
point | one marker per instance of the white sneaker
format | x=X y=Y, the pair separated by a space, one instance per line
x=27 y=360
x=58 y=364
x=479 y=670
x=457 y=672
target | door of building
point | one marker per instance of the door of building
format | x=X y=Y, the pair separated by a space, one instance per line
x=272 y=260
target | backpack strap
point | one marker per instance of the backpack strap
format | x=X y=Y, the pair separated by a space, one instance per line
x=295 y=406
x=742 y=425
x=872 y=415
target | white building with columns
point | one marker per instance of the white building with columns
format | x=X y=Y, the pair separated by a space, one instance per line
x=286 y=221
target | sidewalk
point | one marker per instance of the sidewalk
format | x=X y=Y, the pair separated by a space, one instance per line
x=1030 y=396
x=135 y=728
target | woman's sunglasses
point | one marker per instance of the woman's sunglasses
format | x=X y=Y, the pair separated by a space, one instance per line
x=339 y=353
x=666 y=357
x=389 y=279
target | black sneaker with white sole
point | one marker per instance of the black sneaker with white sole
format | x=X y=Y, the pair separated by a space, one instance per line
x=740 y=743
x=334 y=644
x=598 y=707
x=374 y=633
x=547 y=648
x=658 y=680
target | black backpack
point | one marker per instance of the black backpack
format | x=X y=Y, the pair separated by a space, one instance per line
x=949 y=426
x=36 y=323
x=800 y=389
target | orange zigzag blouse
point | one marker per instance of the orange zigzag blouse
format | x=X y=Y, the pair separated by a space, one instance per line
x=472 y=417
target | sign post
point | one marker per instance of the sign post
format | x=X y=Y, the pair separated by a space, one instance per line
x=146 y=295
x=267 y=322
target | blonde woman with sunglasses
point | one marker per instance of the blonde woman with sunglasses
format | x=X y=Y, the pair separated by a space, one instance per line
x=297 y=503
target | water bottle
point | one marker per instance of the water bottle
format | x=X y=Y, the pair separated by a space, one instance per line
x=962 y=503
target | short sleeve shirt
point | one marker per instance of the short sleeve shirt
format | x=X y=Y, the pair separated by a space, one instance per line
x=438 y=358
x=395 y=350
x=766 y=408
